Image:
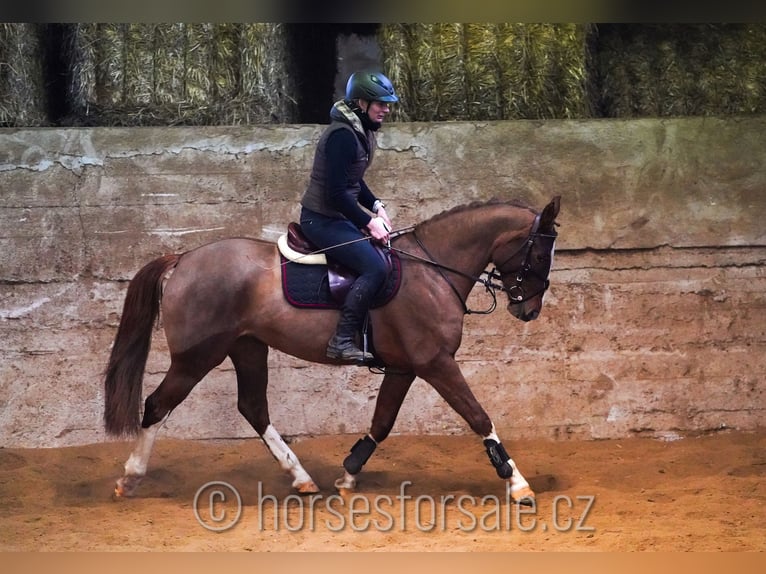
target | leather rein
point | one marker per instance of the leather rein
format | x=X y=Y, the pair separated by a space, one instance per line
x=516 y=293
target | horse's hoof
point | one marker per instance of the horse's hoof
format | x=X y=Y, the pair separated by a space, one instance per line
x=309 y=487
x=346 y=493
x=346 y=483
x=523 y=496
x=119 y=492
x=126 y=486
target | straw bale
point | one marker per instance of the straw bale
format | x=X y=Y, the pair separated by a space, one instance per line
x=264 y=75
x=179 y=74
x=487 y=71
x=22 y=91
x=397 y=40
x=483 y=78
x=545 y=70
x=171 y=82
x=682 y=70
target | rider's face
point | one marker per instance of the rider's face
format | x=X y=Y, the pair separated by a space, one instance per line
x=377 y=111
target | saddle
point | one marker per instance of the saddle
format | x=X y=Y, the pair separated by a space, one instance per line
x=296 y=248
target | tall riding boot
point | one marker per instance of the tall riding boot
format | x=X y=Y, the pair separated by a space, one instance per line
x=343 y=345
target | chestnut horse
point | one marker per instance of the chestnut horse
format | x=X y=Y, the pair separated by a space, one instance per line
x=225 y=299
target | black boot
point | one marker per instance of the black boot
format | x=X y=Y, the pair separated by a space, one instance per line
x=342 y=345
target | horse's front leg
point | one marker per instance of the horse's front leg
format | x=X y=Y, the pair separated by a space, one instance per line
x=506 y=468
x=443 y=373
x=391 y=395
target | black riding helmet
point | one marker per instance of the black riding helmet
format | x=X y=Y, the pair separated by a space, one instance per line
x=370 y=86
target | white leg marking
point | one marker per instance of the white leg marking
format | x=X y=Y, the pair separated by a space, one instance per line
x=286 y=457
x=518 y=482
x=139 y=458
x=346 y=482
x=135 y=467
x=492 y=434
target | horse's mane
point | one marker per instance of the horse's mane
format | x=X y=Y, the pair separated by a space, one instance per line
x=477 y=205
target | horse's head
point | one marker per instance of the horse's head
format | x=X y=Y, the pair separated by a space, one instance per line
x=525 y=273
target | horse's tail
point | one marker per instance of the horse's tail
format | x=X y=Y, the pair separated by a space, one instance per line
x=125 y=371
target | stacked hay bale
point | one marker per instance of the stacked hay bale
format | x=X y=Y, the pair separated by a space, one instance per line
x=487 y=71
x=681 y=70
x=22 y=89
x=544 y=71
x=232 y=74
x=179 y=74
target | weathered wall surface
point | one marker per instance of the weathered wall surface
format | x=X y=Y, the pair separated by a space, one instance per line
x=655 y=322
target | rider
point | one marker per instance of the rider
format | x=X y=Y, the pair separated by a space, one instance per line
x=332 y=214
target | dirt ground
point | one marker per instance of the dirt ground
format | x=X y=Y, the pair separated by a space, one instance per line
x=704 y=493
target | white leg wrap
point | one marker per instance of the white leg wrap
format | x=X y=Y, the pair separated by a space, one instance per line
x=286 y=457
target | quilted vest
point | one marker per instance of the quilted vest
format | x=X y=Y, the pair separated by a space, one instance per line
x=315 y=197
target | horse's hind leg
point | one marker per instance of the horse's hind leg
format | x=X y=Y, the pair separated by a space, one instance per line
x=250 y=358
x=391 y=395
x=173 y=389
x=135 y=467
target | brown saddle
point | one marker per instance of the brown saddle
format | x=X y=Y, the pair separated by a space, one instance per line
x=340 y=277
x=297 y=241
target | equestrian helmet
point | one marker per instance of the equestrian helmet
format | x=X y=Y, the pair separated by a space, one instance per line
x=370 y=86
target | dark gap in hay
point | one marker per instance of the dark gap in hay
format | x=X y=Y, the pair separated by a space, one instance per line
x=55 y=72
x=318 y=54
x=312 y=50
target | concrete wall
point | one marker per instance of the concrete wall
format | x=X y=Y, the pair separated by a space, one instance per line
x=655 y=322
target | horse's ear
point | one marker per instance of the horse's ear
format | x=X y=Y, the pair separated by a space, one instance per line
x=548 y=216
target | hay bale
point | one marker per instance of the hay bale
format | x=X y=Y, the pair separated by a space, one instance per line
x=397 y=40
x=682 y=70
x=485 y=86
x=487 y=71
x=268 y=89
x=179 y=74
x=22 y=90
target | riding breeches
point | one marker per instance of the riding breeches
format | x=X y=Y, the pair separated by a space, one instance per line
x=347 y=245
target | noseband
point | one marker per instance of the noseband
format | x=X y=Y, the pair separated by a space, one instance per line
x=516 y=292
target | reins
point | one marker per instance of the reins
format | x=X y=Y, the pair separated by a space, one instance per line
x=488 y=285
x=487 y=278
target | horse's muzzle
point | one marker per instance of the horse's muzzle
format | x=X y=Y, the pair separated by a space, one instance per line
x=524 y=312
x=532 y=315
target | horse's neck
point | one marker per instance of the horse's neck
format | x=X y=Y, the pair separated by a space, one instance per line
x=465 y=240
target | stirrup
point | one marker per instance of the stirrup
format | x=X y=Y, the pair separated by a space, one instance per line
x=346 y=350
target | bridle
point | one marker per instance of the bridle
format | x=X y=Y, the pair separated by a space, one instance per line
x=517 y=293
